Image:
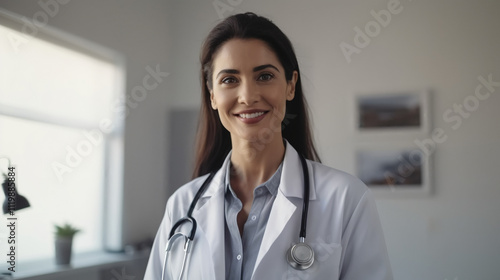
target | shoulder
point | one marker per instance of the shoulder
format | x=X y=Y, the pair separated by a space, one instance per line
x=340 y=193
x=329 y=182
x=180 y=200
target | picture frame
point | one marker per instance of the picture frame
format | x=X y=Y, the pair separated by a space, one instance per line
x=394 y=169
x=398 y=112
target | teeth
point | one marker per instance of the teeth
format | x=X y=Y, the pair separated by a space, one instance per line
x=251 y=116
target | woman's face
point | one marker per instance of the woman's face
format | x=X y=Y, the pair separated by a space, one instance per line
x=250 y=89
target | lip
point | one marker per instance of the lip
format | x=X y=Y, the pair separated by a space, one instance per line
x=251 y=120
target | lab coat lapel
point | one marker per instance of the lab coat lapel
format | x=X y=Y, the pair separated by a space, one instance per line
x=210 y=218
x=291 y=186
x=279 y=217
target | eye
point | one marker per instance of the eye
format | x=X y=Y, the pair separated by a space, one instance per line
x=266 y=77
x=228 y=80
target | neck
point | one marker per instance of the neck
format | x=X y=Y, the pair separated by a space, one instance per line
x=253 y=163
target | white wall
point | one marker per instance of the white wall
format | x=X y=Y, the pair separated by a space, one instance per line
x=442 y=45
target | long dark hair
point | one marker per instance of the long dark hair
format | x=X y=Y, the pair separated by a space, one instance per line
x=213 y=140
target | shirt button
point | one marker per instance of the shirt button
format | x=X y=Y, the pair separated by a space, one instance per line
x=254 y=218
x=259 y=191
x=238 y=257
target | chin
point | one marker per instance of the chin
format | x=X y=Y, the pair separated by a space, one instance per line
x=260 y=136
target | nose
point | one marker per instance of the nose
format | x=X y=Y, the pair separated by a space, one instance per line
x=248 y=93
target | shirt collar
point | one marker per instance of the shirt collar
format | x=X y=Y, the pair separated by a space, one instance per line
x=271 y=185
x=291 y=179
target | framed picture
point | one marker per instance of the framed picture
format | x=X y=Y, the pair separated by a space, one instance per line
x=392 y=112
x=394 y=168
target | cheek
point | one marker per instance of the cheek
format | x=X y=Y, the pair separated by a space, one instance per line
x=223 y=102
x=279 y=102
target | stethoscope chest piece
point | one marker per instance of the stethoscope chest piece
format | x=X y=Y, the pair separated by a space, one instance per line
x=300 y=256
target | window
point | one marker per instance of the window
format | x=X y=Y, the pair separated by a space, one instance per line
x=60 y=127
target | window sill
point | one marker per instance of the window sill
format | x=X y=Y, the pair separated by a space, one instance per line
x=96 y=265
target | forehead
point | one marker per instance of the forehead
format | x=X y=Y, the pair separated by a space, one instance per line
x=244 y=54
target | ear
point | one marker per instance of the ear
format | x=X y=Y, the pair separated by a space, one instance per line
x=290 y=89
x=212 y=100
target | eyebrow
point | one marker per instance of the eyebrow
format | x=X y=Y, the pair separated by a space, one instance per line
x=262 y=67
x=255 y=69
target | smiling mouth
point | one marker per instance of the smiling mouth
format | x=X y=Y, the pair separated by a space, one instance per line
x=251 y=116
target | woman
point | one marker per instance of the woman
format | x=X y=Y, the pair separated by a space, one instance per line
x=253 y=131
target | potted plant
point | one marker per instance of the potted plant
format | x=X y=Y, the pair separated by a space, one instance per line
x=64 y=241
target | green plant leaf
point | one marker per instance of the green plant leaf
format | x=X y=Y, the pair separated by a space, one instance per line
x=66 y=230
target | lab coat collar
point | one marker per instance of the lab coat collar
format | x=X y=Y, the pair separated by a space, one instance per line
x=292 y=184
x=219 y=179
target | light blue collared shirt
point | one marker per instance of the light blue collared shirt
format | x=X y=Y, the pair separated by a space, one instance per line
x=241 y=251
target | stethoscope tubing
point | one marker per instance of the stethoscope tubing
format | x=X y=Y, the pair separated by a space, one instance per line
x=305 y=201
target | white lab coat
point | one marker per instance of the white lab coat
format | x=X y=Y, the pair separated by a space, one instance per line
x=343 y=229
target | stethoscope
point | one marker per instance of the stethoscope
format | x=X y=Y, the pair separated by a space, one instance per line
x=300 y=255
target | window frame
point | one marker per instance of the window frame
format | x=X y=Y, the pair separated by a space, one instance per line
x=112 y=201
